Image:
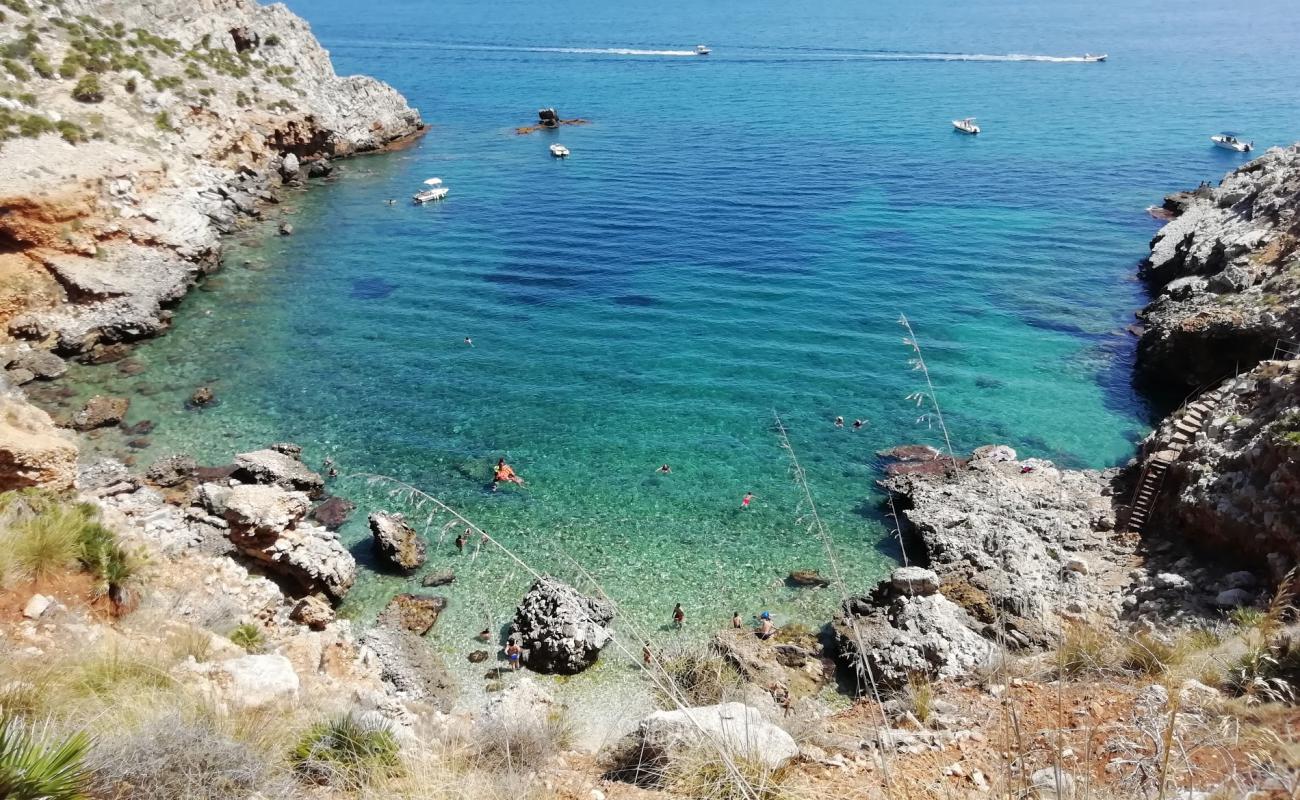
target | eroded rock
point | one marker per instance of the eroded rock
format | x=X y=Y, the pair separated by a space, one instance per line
x=560 y=629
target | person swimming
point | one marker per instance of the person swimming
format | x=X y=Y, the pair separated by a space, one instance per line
x=665 y=469
x=744 y=501
x=469 y=341
x=839 y=422
x=460 y=542
x=485 y=635
x=504 y=473
x=857 y=424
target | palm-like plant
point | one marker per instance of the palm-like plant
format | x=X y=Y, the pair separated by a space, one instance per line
x=31 y=769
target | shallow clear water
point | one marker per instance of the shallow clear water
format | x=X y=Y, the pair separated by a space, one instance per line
x=732 y=235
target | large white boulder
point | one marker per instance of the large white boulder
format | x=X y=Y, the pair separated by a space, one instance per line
x=734 y=728
x=255 y=681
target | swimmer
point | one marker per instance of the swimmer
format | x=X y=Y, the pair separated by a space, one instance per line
x=460 y=542
x=744 y=501
x=469 y=341
x=646 y=655
x=485 y=635
x=504 y=473
x=679 y=616
x=857 y=424
x=665 y=469
x=839 y=422
x=334 y=473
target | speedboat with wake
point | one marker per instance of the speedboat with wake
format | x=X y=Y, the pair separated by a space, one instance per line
x=966 y=125
x=436 y=191
x=702 y=50
x=1091 y=59
x=1229 y=141
x=559 y=151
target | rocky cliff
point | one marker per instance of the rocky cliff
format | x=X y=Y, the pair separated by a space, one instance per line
x=133 y=135
x=1225 y=272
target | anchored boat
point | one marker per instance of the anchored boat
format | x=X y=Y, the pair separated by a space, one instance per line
x=1229 y=141
x=966 y=125
x=436 y=191
x=559 y=151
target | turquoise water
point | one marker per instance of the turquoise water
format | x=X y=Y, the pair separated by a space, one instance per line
x=732 y=235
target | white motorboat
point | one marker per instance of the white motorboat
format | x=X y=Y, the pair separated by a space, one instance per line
x=702 y=50
x=1089 y=57
x=1229 y=141
x=436 y=191
x=966 y=125
x=559 y=151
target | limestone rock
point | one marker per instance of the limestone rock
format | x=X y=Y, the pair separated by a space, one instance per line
x=396 y=542
x=441 y=578
x=254 y=510
x=33 y=451
x=101 y=411
x=202 y=397
x=560 y=629
x=36 y=606
x=413 y=612
x=806 y=577
x=255 y=681
x=171 y=470
x=275 y=468
x=736 y=728
x=410 y=667
x=313 y=611
x=914 y=581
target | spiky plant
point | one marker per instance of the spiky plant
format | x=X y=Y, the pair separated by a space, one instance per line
x=32 y=769
x=344 y=752
x=248 y=636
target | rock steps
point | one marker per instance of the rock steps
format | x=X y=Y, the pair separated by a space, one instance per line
x=1185 y=428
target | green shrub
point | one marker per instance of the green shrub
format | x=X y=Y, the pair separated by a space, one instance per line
x=165 y=82
x=33 y=769
x=88 y=89
x=1084 y=649
x=130 y=86
x=192 y=71
x=271 y=41
x=70 y=66
x=162 y=121
x=242 y=100
x=248 y=636
x=344 y=753
x=15 y=69
x=16 y=5
x=46 y=541
x=1150 y=656
x=920 y=696
x=41 y=63
x=697 y=677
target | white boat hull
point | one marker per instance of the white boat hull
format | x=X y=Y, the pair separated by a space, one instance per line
x=1234 y=145
x=962 y=127
x=430 y=195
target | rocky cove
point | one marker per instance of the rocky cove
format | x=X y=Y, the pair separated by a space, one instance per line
x=99 y=244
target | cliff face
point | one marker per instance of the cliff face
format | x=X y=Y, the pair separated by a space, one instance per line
x=134 y=134
x=1226 y=272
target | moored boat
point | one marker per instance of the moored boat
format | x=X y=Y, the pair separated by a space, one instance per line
x=966 y=125
x=436 y=191
x=559 y=151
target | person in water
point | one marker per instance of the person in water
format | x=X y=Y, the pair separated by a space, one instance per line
x=679 y=616
x=485 y=635
x=646 y=655
x=857 y=424
x=334 y=473
x=839 y=422
x=513 y=653
x=744 y=501
x=469 y=341
x=735 y=620
x=766 y=630
x=460 y=542
x=504 y=473
x=665 y=469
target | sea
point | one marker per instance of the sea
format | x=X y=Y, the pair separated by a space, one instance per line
x=717 y=271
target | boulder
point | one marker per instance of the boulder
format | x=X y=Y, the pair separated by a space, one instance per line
x=286 y=229
x=290 y=166
x=523 y=704
x=171 y=470
x=19 y=376
x=889 y=636
x=914 y=581
x=413 y=612
x=266 y=525
x=202 y=396
x=274 y=467
x=333 y=512
x=1076 y=564
x=33 y=451
x=101 y=411
x=806 y=577
x=313 y=611
x=560 y=629
x=396 y=542
x=36 y=606
x=734 y=728
x=441 y=578
x=1232 y=598
x=1052 y=784
x=255 y=681
x=39 y=363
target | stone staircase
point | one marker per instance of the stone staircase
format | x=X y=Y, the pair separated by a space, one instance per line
x=1186 y=426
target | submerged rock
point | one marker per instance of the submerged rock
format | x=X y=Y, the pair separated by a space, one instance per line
x=806 y=577
x=273 y=467
x=560 y=629
x=413 y=612
x=101 y=411
x=396 y=542
x=333 y=512
x=202 y=397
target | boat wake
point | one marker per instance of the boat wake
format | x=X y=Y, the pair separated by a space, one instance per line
x=737 y=53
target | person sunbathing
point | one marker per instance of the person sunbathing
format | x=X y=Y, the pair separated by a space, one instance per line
x=504 y=473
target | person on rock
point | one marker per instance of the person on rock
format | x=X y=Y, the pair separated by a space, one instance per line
x=766 y=630
x=735 y=620
x=504 y=473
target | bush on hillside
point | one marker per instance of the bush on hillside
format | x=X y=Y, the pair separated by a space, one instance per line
x=345 y=753
x=88 y=89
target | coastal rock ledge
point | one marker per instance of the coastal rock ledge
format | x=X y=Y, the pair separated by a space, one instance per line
x=560 y=629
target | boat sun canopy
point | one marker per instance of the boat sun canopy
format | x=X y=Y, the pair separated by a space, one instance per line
x=433 y=182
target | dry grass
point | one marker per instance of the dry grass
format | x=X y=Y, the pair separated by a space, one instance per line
x=1084 y=650
x=698 y=676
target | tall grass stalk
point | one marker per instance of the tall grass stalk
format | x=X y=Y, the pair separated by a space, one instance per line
x=818 y=529
x=655 y=670
x=919 y=365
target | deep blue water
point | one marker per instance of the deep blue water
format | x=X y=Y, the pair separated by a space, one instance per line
x=733 y=234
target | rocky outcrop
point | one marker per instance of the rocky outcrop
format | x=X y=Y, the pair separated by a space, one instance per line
x=202 y=108
x=410 y=668
x=253 y=681
x=794 y=659
x=396 y=542
x=738 y=730
x=33 y=452
x=999 y=533
x=1226 y=272
x=415 y=613
x=560 y=629
x=1234 y=489
x=101 y=412
x=891 y=635
x=266 y=524
x=276 y=468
